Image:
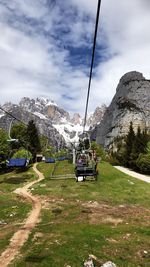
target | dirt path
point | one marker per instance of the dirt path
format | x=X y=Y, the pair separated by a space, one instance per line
x=20 y=237
x=139 y=176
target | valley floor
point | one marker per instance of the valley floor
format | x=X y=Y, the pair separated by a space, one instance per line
x=108 y=218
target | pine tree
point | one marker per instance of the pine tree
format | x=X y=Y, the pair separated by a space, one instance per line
x=136 y=148
x=4 y=146
x=139 y=146
x=145 y=139
x=129 y=144
x=33 y=139
x=19 y=132
x=140 y=143
x=148 y=148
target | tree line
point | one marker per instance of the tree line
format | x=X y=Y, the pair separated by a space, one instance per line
x=24 y=142
x=133 y=150
x=28 y=143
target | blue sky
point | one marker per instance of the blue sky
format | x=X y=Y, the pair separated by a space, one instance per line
x=46 y=45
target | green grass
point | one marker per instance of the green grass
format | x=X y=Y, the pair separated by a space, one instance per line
x=108 y=218
x=112 y=186
x=46 y=168
x=71 y=244
x=58 y=168
x=11 y=180
x=14 y=209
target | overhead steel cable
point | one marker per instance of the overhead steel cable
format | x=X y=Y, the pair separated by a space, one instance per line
x=8 y=113
x=92 y=62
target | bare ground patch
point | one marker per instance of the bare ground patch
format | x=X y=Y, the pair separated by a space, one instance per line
x=99 y=213
x=103 y=213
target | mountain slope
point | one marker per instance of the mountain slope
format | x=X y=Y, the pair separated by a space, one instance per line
x=130 y=103
x=51 y=120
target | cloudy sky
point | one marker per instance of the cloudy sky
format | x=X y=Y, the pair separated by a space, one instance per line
x=45 y=49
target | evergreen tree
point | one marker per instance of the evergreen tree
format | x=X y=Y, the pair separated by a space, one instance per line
x=4 y=146
x=19 y=132
x=141 y=141
x=129 y=144
x=99 y=150
x=145 y=138
x=33 y=139
x=148 y=148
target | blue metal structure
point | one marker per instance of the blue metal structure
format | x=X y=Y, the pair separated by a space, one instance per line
x=18 y=162
x=49 y=160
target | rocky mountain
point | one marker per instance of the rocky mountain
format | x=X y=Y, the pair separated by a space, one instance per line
x=44 y=108
x=43 y=124
x=96 y=117
x=51 y=120
x=130 y=103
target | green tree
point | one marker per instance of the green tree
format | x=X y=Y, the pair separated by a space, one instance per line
x=22 y=153
x=140 y=143
x=99 y=150
x=143 y=163
x=33 y=139
x=4 y=146
x=19 y=131
x=129 y=144
x=145 y=139
x=139 y=146
x=46 y=147
x=119 y=154
x=148 y=148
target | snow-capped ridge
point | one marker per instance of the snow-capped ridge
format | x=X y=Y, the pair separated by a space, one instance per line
x=69 y=131
x=47 y=112
x=45 y=101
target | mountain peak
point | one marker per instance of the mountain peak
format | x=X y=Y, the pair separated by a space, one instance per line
x=47 y=112
x=40 y=102
x=130 y=103
x=45 y=101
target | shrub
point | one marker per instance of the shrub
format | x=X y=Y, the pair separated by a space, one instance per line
x=112 y=160
x=99 y=150
x=48 y=153
x=143 y=163
x=148 y=148
x=23 y=153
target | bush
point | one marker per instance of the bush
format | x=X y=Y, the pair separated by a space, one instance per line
x=143 y=163
x=99 y=150
x=112 y=160
x=23 y=153
x=148 y=148
x=48 y=153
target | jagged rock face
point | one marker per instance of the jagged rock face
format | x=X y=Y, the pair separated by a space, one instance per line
x=130 y=103
x=56 y=114
x=51 y=120
x=97 y=116
x=76 y=119
x=44 y=106
x=44 y=125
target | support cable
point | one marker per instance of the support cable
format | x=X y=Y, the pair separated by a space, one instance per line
x=9 y=114
x=92 y=62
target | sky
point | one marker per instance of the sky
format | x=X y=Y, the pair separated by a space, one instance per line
x=46 y=46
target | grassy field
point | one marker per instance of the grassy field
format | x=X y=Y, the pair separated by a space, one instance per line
x=108 y=218
x=13 y=208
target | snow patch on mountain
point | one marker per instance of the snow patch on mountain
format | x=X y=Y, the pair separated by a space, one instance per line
x=69 y=131
x=40 y=115
x=46 y=110
x=45 y=102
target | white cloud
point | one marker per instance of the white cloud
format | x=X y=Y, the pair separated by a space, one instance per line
x=41 y=38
